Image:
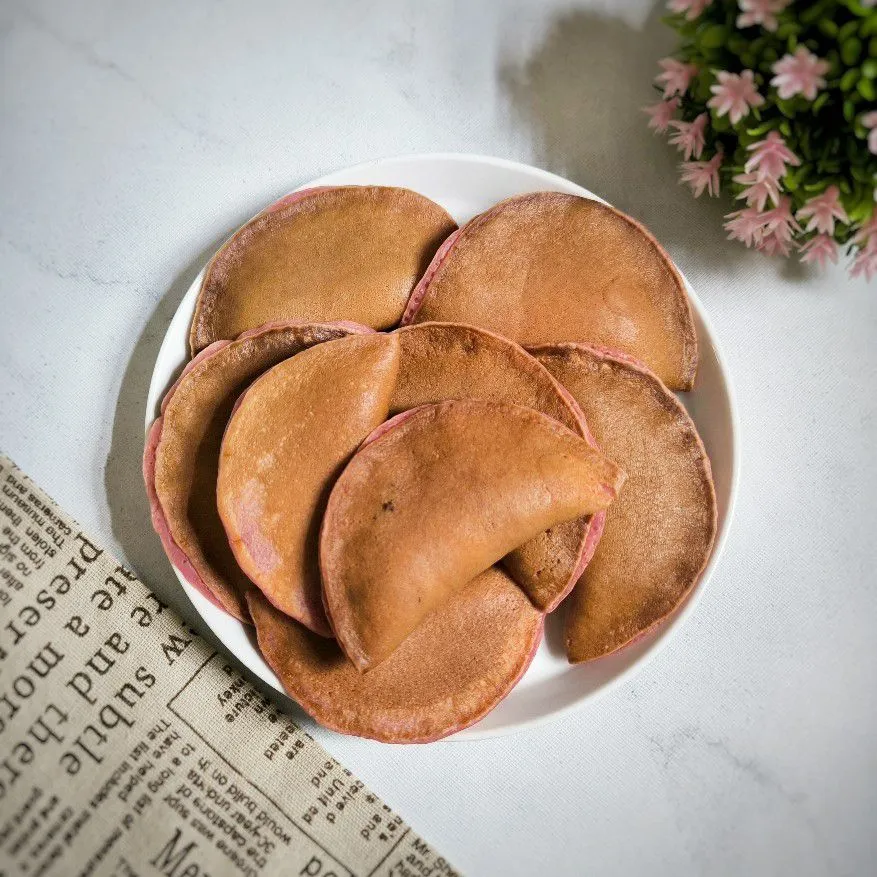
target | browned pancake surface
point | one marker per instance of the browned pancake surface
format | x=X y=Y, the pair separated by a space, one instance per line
x=186 y=457
x=443 y=361
x=549 y=267
x=289 y=437
x=659 y=533
x=450 y=672
x=336 y=253
x=439 y=497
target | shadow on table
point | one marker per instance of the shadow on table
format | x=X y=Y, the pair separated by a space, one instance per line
x=580 y=94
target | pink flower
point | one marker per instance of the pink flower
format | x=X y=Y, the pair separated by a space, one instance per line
x=866 y=261
x=746 y=226
x=689 y=136
x=801 y=73
x=734 y=94
x=691 y=8
x=772 y=243
x=763 y=12
x=866 y=231
x=758 y=190
x=702 y=175
x=661 y=113
x=869 y=120
x=780 y=221
x=819 y=249
x=676 y=76
x=770 y=231
x=770 y=157
x=822 y=211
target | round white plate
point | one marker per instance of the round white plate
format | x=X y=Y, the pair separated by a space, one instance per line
x=466 y=185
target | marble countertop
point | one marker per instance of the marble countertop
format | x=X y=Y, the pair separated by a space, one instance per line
x=136 y=135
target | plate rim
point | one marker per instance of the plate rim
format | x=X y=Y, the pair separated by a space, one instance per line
x=668 y=629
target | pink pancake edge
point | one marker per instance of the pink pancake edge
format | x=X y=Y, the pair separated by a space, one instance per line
x=598 y=350
x=295 y=197
x=415 y=300
x=418 y=294
x=176 y=555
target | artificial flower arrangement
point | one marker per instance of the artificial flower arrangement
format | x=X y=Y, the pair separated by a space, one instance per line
x=776 y=102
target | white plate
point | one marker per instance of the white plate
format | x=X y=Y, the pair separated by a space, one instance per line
x=466 y=185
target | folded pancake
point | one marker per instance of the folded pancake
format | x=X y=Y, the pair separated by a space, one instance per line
x=181 y=459
x=453 y=669
x=443 y=361
x=659 y=533
x=290 y=435
x=328 y=253
x=441 y=494
x=549 y=267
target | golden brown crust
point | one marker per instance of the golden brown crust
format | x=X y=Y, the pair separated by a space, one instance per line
x=450 y=672
x=443 y=361
x=336 y=253
x=547 y=267
x=437 y=499
x=186 y=456
x=290 y=435
x=659 y=533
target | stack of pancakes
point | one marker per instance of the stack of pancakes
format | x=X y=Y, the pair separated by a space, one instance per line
x=399 y=445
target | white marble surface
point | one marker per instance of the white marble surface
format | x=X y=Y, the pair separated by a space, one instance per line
x=134 y=136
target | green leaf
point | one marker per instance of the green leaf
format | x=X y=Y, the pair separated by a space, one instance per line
x=850 y=50
x=869 y=69
x=849 y=110
x=826 y=25
x=820 y=101
x=857 y=8
x=714 y=36
x=866 y=89
x=761 y=130
x=815 y=12
x=860 y=213
x=869 y=26
x=785 y=128
x=737 y=43
x=701 y=90
x=849 y=79
x=847 y=30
